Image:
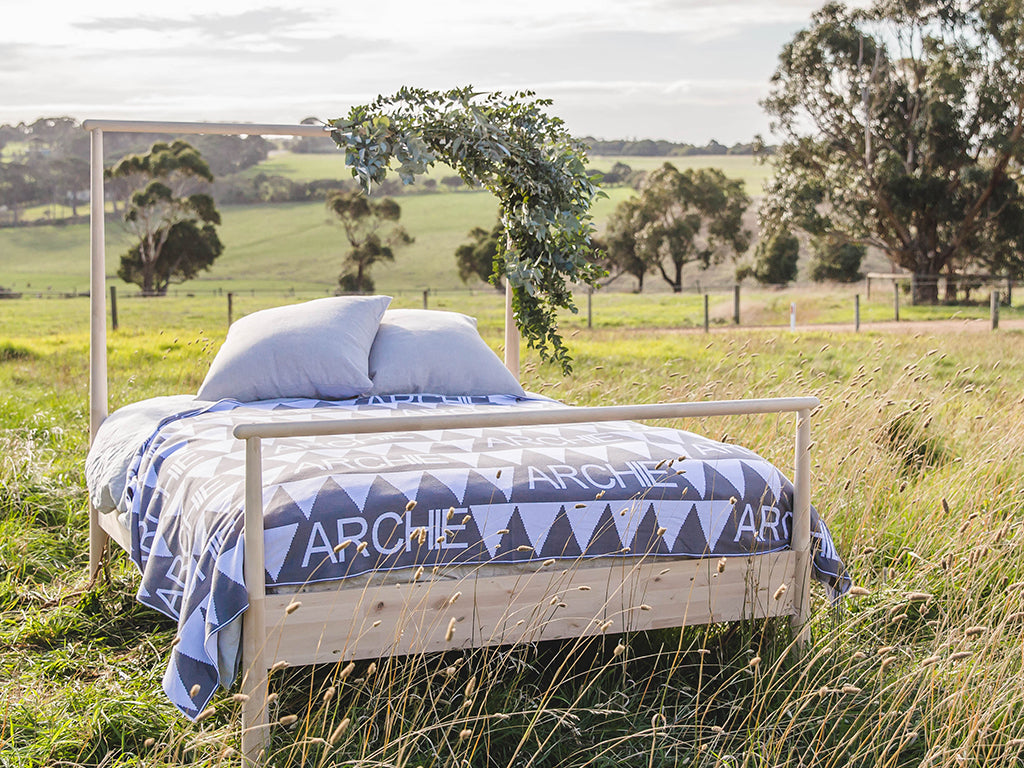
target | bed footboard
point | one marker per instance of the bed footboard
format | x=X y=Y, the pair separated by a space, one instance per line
x=551 y=602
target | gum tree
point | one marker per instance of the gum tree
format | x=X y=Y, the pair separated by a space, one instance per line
x=372 y=232
x=167 y=203
x=679 y=217
x=903 y=129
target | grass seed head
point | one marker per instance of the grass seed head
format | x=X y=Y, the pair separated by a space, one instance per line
x=721 y=565
x=975 y=631
x=204 y=714
x=278 y=665
x=859 y=592
x=339 y=547
x=754 y=663
x=465 y=733
x=927 y=662
x=960 y=655
x=360 y=546
x=288 y=720
x=779 y=592
x=292 y=607
x=194 y=690
x=339 y=730
x=619 y=650
x=348 y=670
x=450 y=632
x=271 y=698
x=329 y=694
x=850 y=689
x=148 y=743
x=410 y=506
x=241 y=698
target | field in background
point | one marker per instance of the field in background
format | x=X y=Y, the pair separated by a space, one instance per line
x=208 y=310
x=283 y=245
x=918 y=454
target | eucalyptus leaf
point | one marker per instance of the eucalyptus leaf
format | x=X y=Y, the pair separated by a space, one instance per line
x=511 y=146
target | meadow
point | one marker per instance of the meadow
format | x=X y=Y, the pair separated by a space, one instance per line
x=296 y=245
x=917 y=458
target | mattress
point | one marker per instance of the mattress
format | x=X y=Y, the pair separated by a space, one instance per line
x=348 y=507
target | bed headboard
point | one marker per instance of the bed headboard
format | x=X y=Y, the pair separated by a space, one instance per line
x=98 y=402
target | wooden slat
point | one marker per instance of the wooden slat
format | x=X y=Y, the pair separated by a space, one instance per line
x=396 y=619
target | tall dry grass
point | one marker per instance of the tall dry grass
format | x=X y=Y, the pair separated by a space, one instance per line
x=918 y=452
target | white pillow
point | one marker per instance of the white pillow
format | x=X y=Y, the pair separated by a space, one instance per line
x=318 y=349
x=441 y=353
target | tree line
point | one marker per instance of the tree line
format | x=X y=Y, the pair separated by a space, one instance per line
x=46 y=162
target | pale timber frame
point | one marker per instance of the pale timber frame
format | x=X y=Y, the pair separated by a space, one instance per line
x=422 y=616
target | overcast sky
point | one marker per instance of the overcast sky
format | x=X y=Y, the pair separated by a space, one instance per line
x=685 y=70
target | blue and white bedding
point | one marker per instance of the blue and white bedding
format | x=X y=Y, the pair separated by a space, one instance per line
x=481 y=496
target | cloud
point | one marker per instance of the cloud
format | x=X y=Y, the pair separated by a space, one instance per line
x=254 y=22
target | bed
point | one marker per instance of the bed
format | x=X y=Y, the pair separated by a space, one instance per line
x=353 y=482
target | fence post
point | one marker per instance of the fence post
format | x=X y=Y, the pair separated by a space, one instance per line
x=113 y=307
x=736 y=304
x=231 y=298
x=707 y=316
x=856 y=311
x=896 y=300
x=868 y=281
x=426 y=293
x=1009 y=291
x=995 y=310
x=590 y=307
x=792 y=316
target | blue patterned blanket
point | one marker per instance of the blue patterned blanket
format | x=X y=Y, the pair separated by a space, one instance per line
x=481 y=496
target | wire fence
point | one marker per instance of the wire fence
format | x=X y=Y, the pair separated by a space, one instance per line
x=884 y=298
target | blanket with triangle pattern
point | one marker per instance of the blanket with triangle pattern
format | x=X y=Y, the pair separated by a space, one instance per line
x=426 y=498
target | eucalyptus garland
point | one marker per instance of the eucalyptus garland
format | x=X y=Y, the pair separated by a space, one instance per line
x=512 y=147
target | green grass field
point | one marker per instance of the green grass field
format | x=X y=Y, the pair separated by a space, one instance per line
x=917 y=457
x=288 y=245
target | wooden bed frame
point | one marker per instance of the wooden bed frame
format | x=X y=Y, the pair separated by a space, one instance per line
x=480 y=610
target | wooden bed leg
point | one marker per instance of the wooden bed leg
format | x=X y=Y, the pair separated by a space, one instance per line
x=98 y=543
x=255 y=717
x=801 y=537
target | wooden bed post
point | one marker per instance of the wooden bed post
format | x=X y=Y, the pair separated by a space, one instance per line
x=97 y=331
x=511 y=334
x=801 y=537
x=255 y=718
